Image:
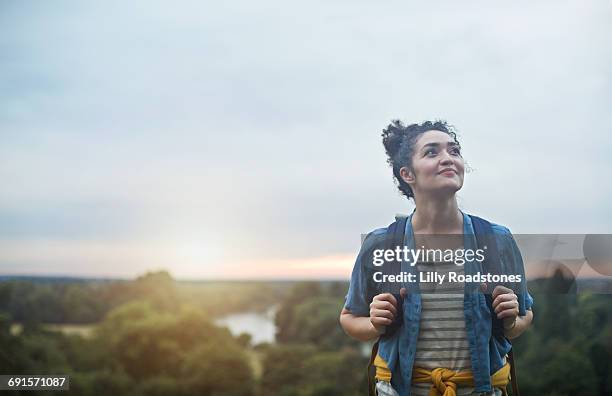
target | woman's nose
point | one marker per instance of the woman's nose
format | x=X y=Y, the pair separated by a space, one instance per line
x=446 y=159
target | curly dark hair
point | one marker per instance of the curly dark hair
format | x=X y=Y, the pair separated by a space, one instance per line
x=399 y=141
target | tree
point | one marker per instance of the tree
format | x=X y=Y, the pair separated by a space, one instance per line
x=285 y=315
x=304 y=370
x=150 y=343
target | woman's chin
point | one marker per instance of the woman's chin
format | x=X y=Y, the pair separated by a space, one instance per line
x=449 y=188
x=442 y=193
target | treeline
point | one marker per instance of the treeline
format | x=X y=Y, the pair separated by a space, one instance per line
x=137 y=350
x=313 y=356
x=153 y=335
x=54 y=301
x=568 y=350
x=157 y=337
x=156 y=342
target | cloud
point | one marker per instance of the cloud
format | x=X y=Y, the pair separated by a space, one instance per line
x=259 y=124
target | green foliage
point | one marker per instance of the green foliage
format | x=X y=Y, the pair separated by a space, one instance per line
x=86 y=355
x=313 y=351
x=181 y=352
x=310 y=315
x=304 y=370
x=149 y=341
x=283 y=368
x=30 y=303
x=10 y=347
x=568 y=350
x=32 y=352
x=48 y=301
x=79 y=305
x=217 y=368
x=244 y=339
x=41 y=351
x=316 y=321
x=159 y=386
x=33 y=303
x=286 y=313
x=102 y=382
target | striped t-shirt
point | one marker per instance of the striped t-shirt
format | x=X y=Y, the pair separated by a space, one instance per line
x=443 y=340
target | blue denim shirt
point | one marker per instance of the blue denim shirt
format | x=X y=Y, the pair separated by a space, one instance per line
x=487 y=351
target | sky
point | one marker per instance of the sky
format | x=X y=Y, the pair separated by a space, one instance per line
x=241 y=139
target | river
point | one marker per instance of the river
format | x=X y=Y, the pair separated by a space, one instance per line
x=260 y=325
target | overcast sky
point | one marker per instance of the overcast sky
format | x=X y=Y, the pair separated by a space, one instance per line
x=242 y=138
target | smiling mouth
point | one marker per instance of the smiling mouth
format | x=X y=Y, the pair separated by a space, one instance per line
x=448 y=172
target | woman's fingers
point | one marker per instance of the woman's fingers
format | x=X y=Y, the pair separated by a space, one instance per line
x=500 y=290
x=504 y=297
x=507 y=309
x=378 y=321
x=383 y=305
x=383 y=309
x=386 y=297
x=505 y=303
x=382 y=313
x=502 y=306
x=508 y=313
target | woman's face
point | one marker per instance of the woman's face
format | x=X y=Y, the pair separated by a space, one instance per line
x=437 y=165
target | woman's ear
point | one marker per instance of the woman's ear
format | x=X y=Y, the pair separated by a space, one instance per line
x=407 y=175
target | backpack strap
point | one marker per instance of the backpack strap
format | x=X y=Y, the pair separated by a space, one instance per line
x=394 y=237
x=486 y=237
x=492 y=263
x=372 y=370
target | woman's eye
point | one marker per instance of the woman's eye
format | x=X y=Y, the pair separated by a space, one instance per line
x=455 y=151
x=430 y=152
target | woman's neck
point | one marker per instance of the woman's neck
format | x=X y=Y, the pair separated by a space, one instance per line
x=437 y=216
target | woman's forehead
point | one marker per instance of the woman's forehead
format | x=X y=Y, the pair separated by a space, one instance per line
x=435 y=137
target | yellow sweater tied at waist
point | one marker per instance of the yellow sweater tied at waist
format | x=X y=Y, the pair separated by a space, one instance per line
x=444 y=381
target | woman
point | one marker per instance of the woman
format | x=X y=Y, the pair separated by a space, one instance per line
x=446 y=342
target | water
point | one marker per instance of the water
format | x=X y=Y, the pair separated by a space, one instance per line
x=260 y=325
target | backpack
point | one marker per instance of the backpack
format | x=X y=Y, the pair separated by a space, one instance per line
x=484 y=237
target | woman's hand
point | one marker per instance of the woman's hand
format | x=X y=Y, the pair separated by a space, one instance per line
x=506 y=306
x=384 y=309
